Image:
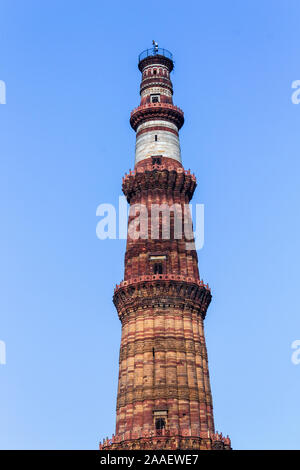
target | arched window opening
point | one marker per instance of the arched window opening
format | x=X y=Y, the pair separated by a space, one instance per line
x=157 y=268
x=155 y=98
x=160 y=424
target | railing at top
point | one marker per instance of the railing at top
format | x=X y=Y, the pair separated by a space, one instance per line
x=155 y=51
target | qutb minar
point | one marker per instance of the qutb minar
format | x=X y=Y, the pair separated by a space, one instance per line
x=164 y=398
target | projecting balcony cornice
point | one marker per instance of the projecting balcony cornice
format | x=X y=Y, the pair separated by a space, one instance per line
x=164 y=177
x=175 y=289
x=140 y=440
x=152 y=111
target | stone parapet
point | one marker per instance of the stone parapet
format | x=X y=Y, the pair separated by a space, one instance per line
x=167 y=441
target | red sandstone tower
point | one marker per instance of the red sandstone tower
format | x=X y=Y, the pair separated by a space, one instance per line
x=164 y=396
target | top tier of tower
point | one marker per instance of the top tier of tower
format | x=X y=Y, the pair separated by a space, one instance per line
x=156 y=120
x=156 y=66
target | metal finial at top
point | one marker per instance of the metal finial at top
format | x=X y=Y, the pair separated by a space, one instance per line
x=155 y=47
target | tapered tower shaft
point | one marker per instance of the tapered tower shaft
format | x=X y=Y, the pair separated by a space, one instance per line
x=164 y=396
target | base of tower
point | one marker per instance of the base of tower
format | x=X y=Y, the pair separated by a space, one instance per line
x=217 y=442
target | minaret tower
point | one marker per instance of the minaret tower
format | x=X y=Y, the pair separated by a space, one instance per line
x=164 y=397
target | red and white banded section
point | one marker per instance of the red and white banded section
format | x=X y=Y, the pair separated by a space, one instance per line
x=156 y=120
x=157 y=137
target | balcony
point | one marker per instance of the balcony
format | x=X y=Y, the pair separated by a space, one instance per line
x=155 y=51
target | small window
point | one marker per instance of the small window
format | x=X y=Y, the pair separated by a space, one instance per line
x=156 y=138
x=157 y=268
x=160 y=424
x=154 y=72
x=155 y=98
x=156 y=161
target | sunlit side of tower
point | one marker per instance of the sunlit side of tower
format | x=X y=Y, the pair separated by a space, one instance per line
x=164 y=397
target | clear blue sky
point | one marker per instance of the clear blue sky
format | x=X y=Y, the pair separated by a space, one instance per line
x=71 y=74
